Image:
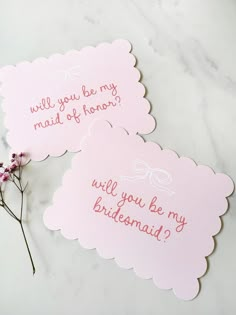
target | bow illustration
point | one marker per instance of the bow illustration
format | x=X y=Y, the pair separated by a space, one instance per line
x=157 y=177
x=70 y=73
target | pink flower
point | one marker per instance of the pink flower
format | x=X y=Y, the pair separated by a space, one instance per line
x=5 y=177
x=13 y=167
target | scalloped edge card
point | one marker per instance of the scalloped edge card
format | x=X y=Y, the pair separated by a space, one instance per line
x=49 y=103
x=145 y=207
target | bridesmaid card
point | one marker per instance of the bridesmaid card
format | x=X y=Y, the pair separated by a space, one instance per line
x=145 y=207
x=49 y=103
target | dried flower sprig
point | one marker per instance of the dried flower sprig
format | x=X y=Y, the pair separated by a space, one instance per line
x=13 y=174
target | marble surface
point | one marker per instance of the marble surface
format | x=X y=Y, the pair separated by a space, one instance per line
x=186 y=51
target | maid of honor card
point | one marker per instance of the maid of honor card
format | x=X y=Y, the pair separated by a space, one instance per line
x=49 y=103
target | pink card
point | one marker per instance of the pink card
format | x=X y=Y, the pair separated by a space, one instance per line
x=146 y=207
x=49 y=103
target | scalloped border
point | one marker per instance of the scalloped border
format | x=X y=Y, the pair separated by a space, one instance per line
x=52 y=56
x=98 y=250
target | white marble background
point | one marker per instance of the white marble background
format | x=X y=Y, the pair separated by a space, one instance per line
x=186 y=51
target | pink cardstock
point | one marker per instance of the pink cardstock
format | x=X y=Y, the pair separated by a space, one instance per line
x=49 y=103
x=145 y=207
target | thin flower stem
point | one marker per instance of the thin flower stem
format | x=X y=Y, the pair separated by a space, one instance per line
x=20 y=169
x=22 y=204
x=21 y=214
x=27 y=246
x=7 y=209
x=22 y=198
x=17 y=181
x=14 y=182
x=17 y=177
x=16 y=185
x=10 y=212
x=26 y=185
